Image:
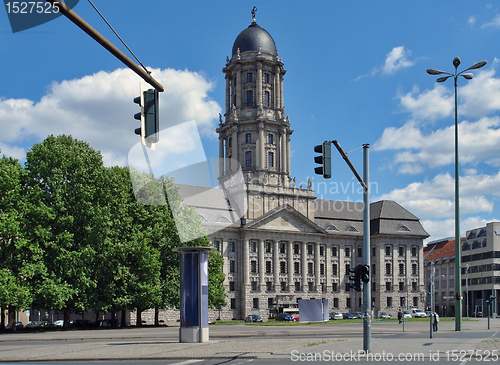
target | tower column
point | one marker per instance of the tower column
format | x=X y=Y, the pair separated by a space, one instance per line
x=281 y=91
x=234 y=147
x=259 y=84
x=262 y=160
x=276 y=87
x=317 y=266
x=226 y=159
x=262 y=269
x=276 y=264
x=283 y=163
x=238 y=87
x=221 y=157
x=246 y=274
x=303 y=253
x=287 y=138
x=228 y=94
x=290 y=264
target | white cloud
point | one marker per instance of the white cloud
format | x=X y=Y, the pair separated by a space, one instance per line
x=99 y=108
x=438 y=229
x=472 y=20
x=431 y=104
x=395 y=60
x=494 y=23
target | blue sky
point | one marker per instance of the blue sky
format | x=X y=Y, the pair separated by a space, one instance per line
x=355 y=73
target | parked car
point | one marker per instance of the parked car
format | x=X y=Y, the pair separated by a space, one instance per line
x=336 y=315
x=418 y=313
x=348 y=316
x=384 y=315
x=285 y=317
x=296 y=317
x=16 y=325
x=358 y=315
x=32 y=324
x=58 y=323
x=478 y=314
x=253 y=318
x=406 y=314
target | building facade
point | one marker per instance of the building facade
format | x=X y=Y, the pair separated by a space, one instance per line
x=480 y=271
x=289 y=245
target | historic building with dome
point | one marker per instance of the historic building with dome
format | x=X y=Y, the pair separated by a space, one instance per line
x=289 y=245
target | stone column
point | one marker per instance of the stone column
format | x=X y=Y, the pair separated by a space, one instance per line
x=290 y=264
x=282 y=104
x=288 y=154
x=234 y=147
x=262 y=267
x=276 y=89
x=259 y=84
x=246 y=265
x=238 y=87
x=228 y=93
x=227 y=161
x=283 y=139
x=316 y=266
x=328 y=268
x=221 y=157
x=303 y=253
x=276 y=265
x=261 y=148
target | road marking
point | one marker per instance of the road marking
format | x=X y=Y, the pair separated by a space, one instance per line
x=186 y=362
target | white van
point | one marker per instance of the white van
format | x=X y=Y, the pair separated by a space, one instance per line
x=418 y=313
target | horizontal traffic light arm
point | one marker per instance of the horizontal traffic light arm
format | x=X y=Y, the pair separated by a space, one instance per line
x=344 y=156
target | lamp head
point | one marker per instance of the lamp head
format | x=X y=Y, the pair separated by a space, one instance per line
x=456 y=62
x=468 y=76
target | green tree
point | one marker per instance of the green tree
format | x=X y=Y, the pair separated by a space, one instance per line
x=64 y=188
x=19 y=258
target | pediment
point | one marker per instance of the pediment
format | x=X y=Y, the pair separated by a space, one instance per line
x=285 y=218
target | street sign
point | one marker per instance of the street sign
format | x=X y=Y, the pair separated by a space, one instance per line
x=450 y=297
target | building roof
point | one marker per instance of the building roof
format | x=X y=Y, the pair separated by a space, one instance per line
x=439 y=252
x=251 y=38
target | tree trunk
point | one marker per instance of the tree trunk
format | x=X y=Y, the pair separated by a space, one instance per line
x=138 y=321
x=123 y=323
x=157 y=317
x=113 y=318
x=2 y=318
x=67 y=312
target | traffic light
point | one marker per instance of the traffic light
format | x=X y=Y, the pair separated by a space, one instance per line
x=149 y=116
x=458 y=297
x=355 y=277
x=365 y=274
x=325 y=159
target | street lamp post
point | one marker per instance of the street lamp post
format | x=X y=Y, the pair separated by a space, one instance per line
x=458 y=256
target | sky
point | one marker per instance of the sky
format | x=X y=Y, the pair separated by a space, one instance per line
x=356 y=73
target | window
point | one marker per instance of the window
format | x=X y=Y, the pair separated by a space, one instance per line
x=267 y=99
x=322 y=269
x=296 y=267
x=321 y=250
x=310 y=268
x=270 y=138
x=268 y=267
x=250 y=77
x=374 y=251
x=230 y=143
x=250 y=98
x=335 y=287
x=402 y=301
x=283 y=267
x=270 y=159
x=231 y=247
x=283 y=286
x=374 y=287
x=217 y=245
x=269 y=285
x=360 y=252
x=335 y=302
x=282 y=247
x=233 y=303
x=266 y=78
x=254 y=286
x=270 y=302
x=401 y=251
x=414 y=251
x=347 y=252
x=232 y=266
x=373 y=269
x=255 y=303
x=389 y=302
x=387 y=250
x=388 y=269
x=296 y=249
x=334 y=269
x=388 y=286
x=297 y=286
x=347 y=269
x=347 y=287
x=401 y=269
x=414 y=286
x=253 y=266
x=401 y=286
x=231 y=286
x=253 y=246
x=248 y=159
x=348 y=302
x=310 y=286
x=309 y=249
x=414 y=269
x=415 y=301
x=248 y=138
x=268 y=247
x=334 y=251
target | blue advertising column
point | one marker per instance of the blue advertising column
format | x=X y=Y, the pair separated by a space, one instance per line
x=194 y=293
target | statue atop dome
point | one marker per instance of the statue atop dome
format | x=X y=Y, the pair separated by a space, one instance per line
x=254 y=12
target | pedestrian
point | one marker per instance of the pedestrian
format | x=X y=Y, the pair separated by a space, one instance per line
x=400 y=316
x=435 y=322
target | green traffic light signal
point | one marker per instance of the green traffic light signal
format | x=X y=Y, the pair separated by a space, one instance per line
x=325 y=159
x=355 y=277
x=365 y=274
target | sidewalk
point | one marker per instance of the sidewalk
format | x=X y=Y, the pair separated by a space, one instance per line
x=229 y=341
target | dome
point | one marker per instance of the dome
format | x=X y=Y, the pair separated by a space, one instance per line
x=253 y=37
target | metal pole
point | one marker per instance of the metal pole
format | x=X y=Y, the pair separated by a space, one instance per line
x=83 y=25
x=458 y=248
x=366 y=250
x=431 y=318
x=467 y=289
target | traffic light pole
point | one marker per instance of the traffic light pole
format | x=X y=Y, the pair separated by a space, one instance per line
x=366 y=250
x=82 y=24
